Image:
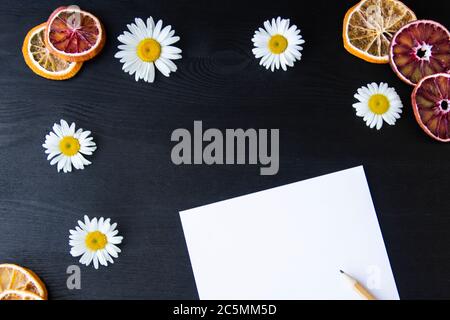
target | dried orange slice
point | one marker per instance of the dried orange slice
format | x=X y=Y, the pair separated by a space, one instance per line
x=74 y=34
x=41 y=61
x=18 y=295
x=370 y=25
x=13 y=277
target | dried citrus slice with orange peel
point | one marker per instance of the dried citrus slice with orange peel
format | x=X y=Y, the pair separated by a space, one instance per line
x=419 y=49
x=18 y=295
x=42 y=61
x=370 y=25
x=431 y=105
x=73 y=34
x=14 y=277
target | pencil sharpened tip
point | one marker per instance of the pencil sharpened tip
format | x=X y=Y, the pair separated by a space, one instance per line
x=341 y=271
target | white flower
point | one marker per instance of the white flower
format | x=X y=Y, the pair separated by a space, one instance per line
x=95 y=241
x=378 y=103
x=146 y=46
x=67 y=146
x=278 y=44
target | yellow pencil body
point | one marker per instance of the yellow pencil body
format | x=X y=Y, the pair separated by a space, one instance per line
x=363 y=292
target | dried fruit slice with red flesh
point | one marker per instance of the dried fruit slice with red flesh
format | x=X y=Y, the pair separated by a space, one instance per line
x=431 y=104
x=74 y=34
x=419 y=49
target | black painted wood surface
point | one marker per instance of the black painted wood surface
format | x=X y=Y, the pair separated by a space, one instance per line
x=132 y=179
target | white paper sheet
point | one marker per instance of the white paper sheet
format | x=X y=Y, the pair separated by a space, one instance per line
x=290 y=242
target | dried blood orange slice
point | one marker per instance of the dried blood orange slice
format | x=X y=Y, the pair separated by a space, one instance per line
x=431 y=104
x=370 y=25
x=42 y=61
x=74 y=34
x=420 y=49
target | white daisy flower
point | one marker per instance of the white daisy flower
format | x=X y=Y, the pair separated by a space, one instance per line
x=378 y=103
x=278 y=44
x=95 y=241
x=67 y=146
x=146 y=46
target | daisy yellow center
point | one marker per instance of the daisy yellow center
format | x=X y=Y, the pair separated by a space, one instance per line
x=379 y=104
x=96 y=240
x=278 y=44
x=149 y=50
x=69 y=146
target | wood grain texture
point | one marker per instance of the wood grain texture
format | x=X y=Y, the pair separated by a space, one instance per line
x=132 y=179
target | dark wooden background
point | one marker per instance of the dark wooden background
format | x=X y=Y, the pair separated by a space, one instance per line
x=132 y=179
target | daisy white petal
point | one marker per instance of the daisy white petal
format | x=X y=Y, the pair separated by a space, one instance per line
x=52 y=154
x=100 y=223
x=64 y=127
x=77 y=251
x=115 y=248
x=61 y=163
x=169 y=41
x=94 y=225
x=172 y=67
x=111 y=251
x=141 y=26
x=89 y=257
x=171 y=49
x=145 y=72
x=162 y=67
x=72 y=129
x=83 y=160
x=101 y=258
x=128 y=38
x=106 y=225
x=57 y=130
x=157 y=29
x=163 y=34
x=95 y=260
x=83 y=227
x=116 y=240
x=113 y=227
x=268 y=27
x=84 y=258
x=151 y=73
x=150 y=27
x=108 y=257
x=112 y=233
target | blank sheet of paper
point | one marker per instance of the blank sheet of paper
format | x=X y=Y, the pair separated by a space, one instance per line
x=290 y=242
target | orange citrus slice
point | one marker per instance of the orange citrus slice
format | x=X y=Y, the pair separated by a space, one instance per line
x=42 y=61
x=370 y=25
x=13 y=277
x=74 y=34
x=18 y=295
